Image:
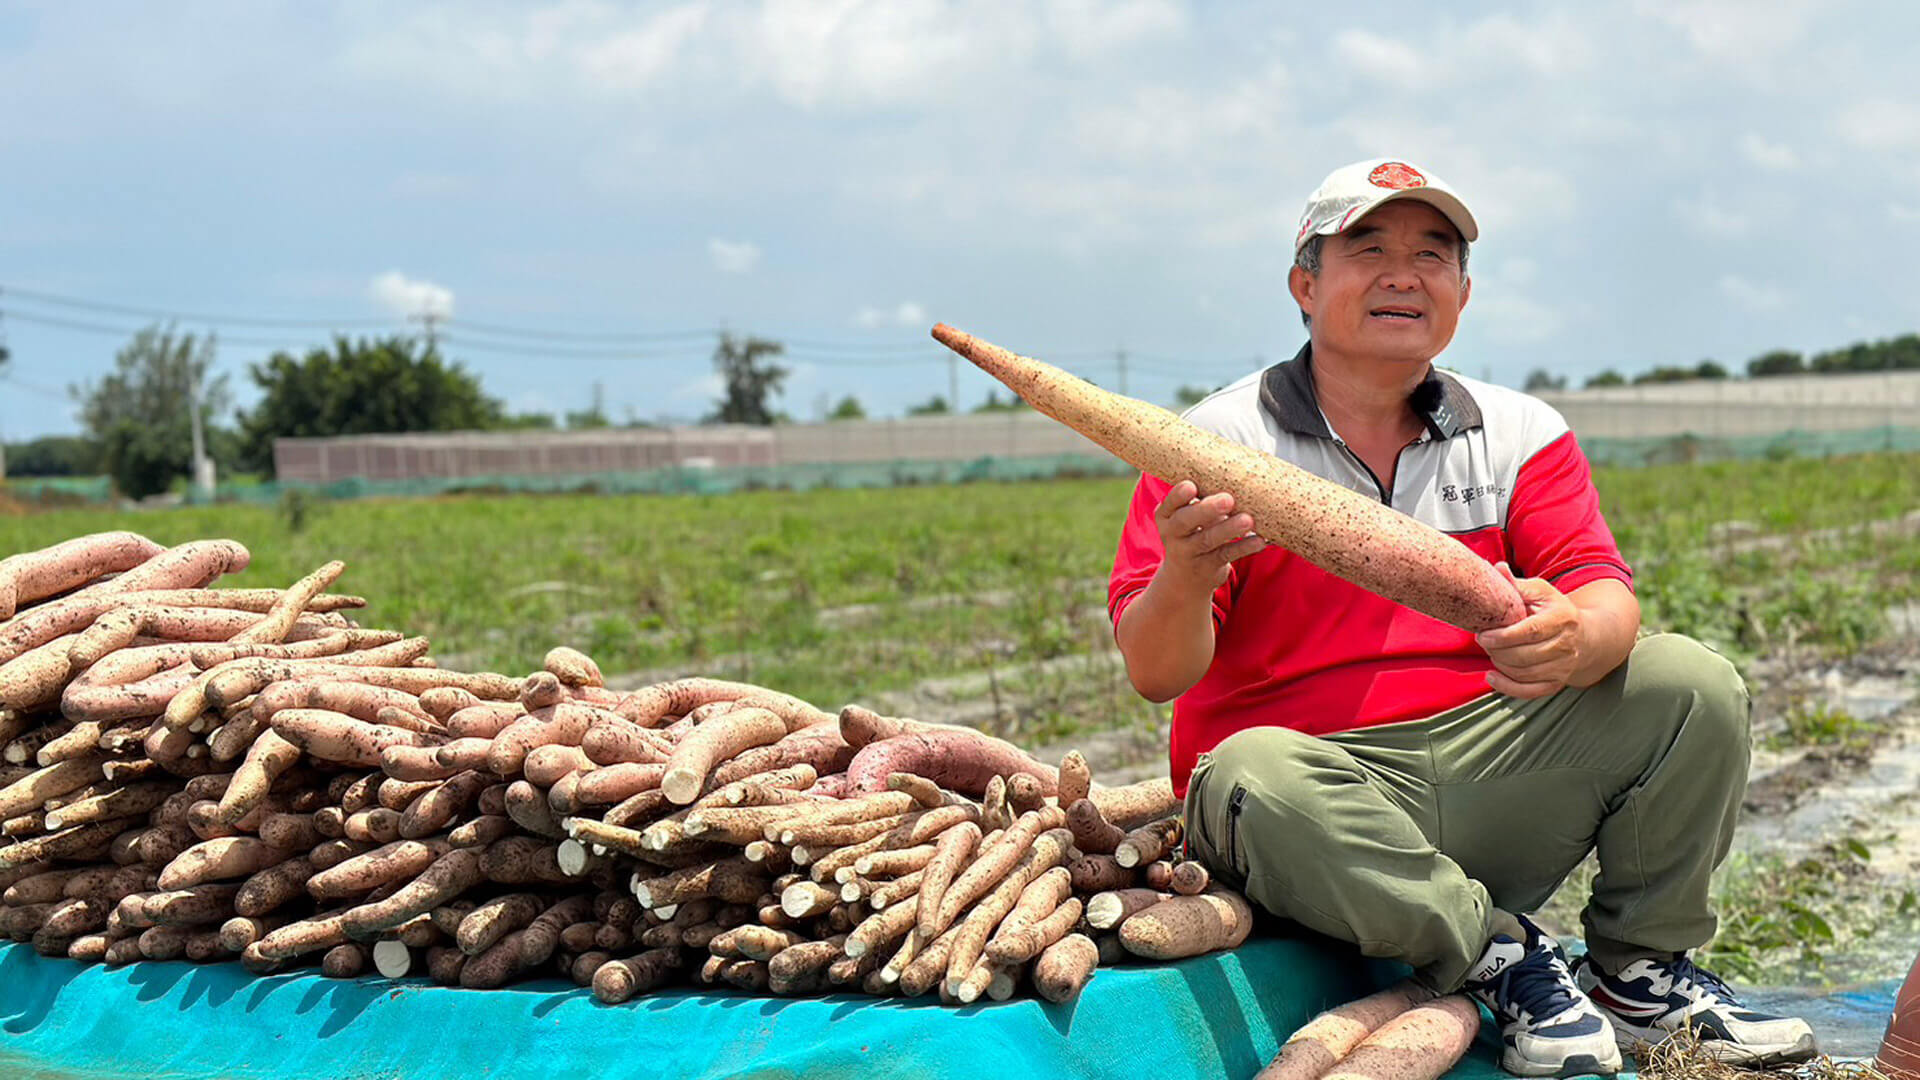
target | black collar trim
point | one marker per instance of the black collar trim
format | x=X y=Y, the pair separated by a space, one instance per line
x=1286 y=392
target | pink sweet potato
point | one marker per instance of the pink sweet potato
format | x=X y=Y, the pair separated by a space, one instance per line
x=1309 y=1052
x=961 y=759
x=32 y=576
x=337 y=737
x=1419 y=1044
x=715 y=741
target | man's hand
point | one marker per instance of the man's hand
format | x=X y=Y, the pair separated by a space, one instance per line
x=1540 y=654
x=1202 y=537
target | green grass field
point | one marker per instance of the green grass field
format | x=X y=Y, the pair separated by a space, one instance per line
x=838 y=594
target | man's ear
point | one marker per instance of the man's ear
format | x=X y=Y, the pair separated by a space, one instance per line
x=1466 y=290
x=1301 y=285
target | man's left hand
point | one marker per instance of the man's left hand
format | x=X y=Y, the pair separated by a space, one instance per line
x=1538 y=655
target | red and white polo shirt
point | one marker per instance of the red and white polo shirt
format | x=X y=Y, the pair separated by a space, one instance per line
x=1297 y=647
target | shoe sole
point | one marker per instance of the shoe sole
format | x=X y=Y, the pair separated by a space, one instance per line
x=1577 y=1065
x=1751 y=1057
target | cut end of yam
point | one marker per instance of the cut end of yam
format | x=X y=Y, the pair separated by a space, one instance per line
x=392 y=959
x=681 y=786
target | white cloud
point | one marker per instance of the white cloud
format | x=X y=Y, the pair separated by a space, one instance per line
x=1904 y=214
x=1493 y=48
x=733 y=256
x=1754 y=296
x=1381 y=58
x=408 y=297
x=1769 y=155
x=704 y=388
x=634 y=59
x=1500 y=303
x=1733 y=29
x=907 y=313
x=1706 y=215
x=1882 y=124
x=1091 y=29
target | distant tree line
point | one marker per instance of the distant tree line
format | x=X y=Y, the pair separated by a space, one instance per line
x=1894 y=354
x=136 y=427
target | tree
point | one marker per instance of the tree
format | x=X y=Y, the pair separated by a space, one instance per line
x=1666 y=373
x=139 y=415
x=1541 y=379
x=384 y=385
x=594 y=416
x=933 y=406
x=1608 y=377
x=1709 y=369
x=1187 y=397
x=993 y=404
x=1899 y=353
x=848 y=408
x=1777 y=362
x=55 y=455
x=748 y=378
x=528 y=421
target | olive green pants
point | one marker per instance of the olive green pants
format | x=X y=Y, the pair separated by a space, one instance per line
x=1412 y=840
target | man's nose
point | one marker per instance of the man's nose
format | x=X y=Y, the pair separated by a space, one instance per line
x=1399 y=273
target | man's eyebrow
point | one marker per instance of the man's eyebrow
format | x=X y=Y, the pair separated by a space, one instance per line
x=1441 y=236
x=1360 y=232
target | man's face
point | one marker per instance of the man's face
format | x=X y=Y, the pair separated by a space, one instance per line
x=1389 y=287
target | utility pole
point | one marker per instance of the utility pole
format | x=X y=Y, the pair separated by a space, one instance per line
x=429 y=318
x=4 y=357
x=203 y=476
x=1120 y=358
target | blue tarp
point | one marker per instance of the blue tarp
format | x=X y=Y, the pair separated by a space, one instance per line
x=1217 y=1016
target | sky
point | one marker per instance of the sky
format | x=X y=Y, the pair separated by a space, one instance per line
x=584 y=192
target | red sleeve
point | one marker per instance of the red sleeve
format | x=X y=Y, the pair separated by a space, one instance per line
x=1140 y=555
x=1554 y=523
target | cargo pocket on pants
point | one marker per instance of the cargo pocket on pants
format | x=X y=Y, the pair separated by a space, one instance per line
x=1212 y=825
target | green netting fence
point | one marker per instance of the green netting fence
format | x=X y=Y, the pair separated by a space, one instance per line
x=689 y=480
x=1776 y=446
x=58 y=490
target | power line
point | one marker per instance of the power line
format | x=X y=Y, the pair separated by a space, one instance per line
x=663 y=345
x=126 y=331
x=32 y=388
x=185 y=316
x=498 y=330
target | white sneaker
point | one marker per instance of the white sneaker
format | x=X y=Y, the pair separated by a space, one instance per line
x=1648 y=1000
x=1547 y=1025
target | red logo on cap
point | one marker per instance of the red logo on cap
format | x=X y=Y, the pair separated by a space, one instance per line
x=1397 y=175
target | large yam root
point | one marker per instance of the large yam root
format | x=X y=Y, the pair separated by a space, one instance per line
x=960 y=759
x=1343 y=532
x=1419 y=1044
x=1309 y=1052
x=1064 y=969
x=715 y=741
x=1188 y=926
x=32 y=576
x=1135 y=805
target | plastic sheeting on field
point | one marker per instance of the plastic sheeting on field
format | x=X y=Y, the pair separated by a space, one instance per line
x=1217 y=1016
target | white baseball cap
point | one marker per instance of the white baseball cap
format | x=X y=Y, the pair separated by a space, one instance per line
x=1352 y=191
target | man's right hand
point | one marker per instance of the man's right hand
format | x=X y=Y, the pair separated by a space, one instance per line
x=1202 y=537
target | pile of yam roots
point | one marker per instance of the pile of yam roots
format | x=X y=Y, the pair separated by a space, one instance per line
x=206 y=774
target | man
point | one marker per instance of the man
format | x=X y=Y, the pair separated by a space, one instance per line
x=1379 y=776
